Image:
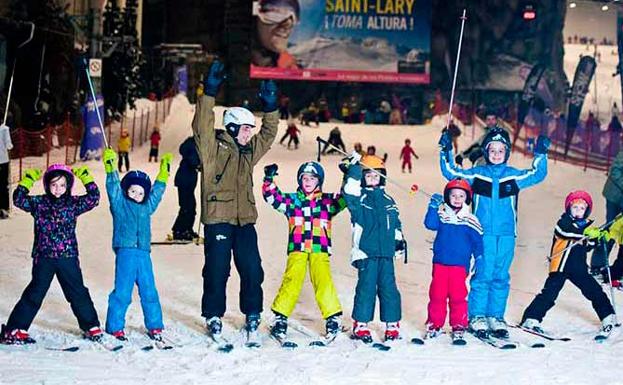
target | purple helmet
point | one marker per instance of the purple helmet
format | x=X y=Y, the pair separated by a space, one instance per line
x=55 y=171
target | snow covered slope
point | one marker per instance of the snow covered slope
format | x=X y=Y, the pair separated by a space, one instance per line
x=178 y=277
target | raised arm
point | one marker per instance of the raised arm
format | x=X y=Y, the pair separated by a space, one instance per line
x=91 y=199
x=262 y=141
x=203 y=121
x=21 y=197
x=271 y=192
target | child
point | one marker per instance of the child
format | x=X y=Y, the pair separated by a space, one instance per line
x=155 y=143
x=496 y=187
x=309 y=212
x=459 y=236
x=55 y=249
x=405 y=155
x=123 y=145
x=567 y=261
x=377 y=239
x=132 y=202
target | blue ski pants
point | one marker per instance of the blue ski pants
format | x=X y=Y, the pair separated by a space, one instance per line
x=133 y=266
x=376 y=278
x=490 y=284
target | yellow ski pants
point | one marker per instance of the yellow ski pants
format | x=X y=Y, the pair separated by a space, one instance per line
x=320 y=274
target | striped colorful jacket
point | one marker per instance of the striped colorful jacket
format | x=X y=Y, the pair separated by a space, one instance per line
x=309 y=216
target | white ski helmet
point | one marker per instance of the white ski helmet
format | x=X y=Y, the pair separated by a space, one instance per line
x=235 y=117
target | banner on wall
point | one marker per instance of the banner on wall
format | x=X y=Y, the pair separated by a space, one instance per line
x=385 y=41
x=581 y=80
x=92 y=140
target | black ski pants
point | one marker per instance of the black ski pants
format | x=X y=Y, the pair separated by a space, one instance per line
x=220 y=241
x=188 y=209
x=4 y=186
x=69 y=275
x=575 y=271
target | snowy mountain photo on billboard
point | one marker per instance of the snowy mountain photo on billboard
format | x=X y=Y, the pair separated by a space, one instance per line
x=354 y=53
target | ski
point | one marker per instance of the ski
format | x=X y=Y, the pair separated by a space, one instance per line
x=325 y=340
x=495 y=342
x=220 y=344
x=458 y=339
x=417 y=341
x=63 y=349
x=174 y=242
x=157 y=343
x=368 y=341
x=542 y=335
x=284 y=342
x=111 y=347
x=604 y=334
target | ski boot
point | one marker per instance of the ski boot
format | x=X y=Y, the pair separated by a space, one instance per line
x=120 y=335
x=479 y=327
x=458 y=335
x=252 y=333
x=94 y=334
x=392 y=331
x=498 y=327
x=214 y=326
x=362 y=332
x=607 y=325
x=432 y=331
x=15 y=337
x=333 y=325
x=155 y=334
x=279 y=328
x=532 y=324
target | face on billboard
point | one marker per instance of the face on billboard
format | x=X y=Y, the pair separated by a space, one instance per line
x=274 y=37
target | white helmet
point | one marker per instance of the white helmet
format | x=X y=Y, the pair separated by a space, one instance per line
x=235 y=117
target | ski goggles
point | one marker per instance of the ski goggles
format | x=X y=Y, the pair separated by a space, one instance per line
x=277 y=15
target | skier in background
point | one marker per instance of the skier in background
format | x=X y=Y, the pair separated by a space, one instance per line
x=405 y=155
x=154 y=140
x=186 y=183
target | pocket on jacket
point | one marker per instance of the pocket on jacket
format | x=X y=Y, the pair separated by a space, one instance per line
x=221 y=204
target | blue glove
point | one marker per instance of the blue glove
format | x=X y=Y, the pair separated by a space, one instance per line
x=542 y=144
x=215 y=77
x=435 y=201
x=268 y=95
x=445 y=142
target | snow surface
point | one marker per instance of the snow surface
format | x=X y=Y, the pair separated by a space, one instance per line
x=178 y=278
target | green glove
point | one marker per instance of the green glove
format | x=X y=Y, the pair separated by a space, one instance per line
x=110 y=158
x=165 y=167
x=83 y=174
x=30 y=177
x=592 y=232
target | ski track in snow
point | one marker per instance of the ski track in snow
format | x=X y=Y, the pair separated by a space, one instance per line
x=178 y=278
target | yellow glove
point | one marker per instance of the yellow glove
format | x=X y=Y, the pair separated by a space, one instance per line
x=110 y=157
x=83 y=174
x=30 y=177
x=165 y=167
x=616 y=231
x=592 y=232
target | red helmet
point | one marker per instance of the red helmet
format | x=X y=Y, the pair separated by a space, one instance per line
x=460 y=184
x=577 y=195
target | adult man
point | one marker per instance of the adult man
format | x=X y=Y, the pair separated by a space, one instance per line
x=186 y=182
x=475 y=152
x=227 y=202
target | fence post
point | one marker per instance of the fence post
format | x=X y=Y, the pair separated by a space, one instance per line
x=67 y=133
x=133 y=128
x=140 y=134
x=146 y=126
x=156 y=121
x=21 y=150
x=48 y=131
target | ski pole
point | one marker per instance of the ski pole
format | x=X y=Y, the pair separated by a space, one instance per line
x=414 y=188
x=456 y=66
x=97 y=110
x=8 y=97
x=614 y=305
x=602 y=227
